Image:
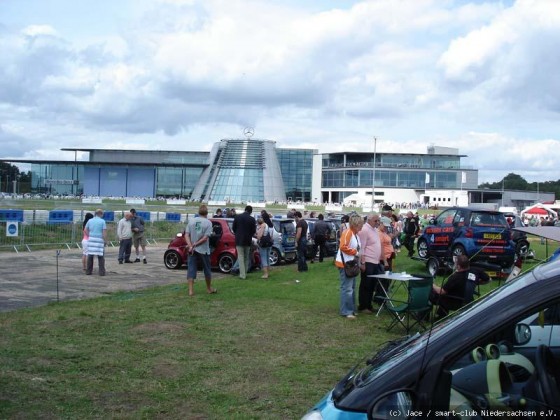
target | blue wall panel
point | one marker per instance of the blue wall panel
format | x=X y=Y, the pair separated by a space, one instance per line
x=141 y=182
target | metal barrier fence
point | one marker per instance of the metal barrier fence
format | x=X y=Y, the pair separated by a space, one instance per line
x=36 y=232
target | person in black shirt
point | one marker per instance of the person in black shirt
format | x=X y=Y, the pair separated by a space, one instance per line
x=321 y=232
x=459 y=288
x=410 y=229
x=244 y=227
x=301 y=241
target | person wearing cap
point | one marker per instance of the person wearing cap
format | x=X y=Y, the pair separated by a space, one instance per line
x=138 y=239
x=410 y=229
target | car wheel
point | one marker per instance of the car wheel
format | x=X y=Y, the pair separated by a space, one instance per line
x=422 y=248
x=458 y=250
x=274 y=257
x=172 y=259
x=522 y=248
x=226 y=262
x=433 y=266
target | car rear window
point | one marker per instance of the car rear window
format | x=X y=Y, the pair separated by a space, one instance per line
x=488 y=219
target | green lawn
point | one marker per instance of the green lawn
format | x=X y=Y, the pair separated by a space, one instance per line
x=257 y=349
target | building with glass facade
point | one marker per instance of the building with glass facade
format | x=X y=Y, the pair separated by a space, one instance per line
x=236 y=170
x=242 y=170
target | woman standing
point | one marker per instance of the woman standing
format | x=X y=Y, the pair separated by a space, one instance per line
x=265 y=228
x=349 y=248
x=85 y=241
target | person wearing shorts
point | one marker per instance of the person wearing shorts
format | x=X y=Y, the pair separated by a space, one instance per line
x=138 y=238
x=197 y=235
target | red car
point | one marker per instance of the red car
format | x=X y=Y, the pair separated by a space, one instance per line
x=222 y=245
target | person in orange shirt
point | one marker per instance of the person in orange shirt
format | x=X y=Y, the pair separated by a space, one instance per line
x=349 y=248
x=387 y=250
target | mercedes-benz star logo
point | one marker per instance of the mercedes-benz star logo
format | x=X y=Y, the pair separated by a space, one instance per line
x=249 y=131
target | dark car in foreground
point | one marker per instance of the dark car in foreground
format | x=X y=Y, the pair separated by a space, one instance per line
x=488 y=360
x=482 y=235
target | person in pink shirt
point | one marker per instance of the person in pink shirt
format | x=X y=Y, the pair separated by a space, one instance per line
x=369 y=263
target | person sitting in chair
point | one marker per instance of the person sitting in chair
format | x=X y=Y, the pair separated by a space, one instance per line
x=459 y=288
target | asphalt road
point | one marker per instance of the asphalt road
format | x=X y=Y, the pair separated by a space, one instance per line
x=29 y=279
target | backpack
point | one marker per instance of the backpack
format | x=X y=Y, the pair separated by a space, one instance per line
x=266 y=240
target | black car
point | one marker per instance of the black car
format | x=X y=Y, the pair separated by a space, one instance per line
x=496 y=357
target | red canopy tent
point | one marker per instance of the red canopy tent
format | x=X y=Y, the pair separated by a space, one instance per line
x=537 y=210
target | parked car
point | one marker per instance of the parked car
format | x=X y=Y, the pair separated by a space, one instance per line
x=284 y=237
x=222 y=244
x=522 y=246
x=483 y=235
x=331 y=244
x=489 y=357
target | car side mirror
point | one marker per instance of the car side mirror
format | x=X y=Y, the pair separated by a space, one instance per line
x=395 y=405
x=522 y=334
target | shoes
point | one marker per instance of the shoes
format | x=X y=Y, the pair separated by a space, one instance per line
x=264 y=277
x=120 y=262
x=366 y=311
x=102 y=274
x=145 y=261
x=212 y=291
x=350 y=316
x=137 y=260
x=128 y=262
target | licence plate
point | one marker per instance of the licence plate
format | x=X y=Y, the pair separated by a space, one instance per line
x=492 y=236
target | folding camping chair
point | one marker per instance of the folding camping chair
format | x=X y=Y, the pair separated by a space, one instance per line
x=417 y=308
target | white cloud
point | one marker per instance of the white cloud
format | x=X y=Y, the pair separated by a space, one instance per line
x=479 y=76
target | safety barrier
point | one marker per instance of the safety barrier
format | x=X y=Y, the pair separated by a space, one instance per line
x=11 y=215
x=61 y=216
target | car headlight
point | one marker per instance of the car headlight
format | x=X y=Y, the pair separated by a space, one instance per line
x=313 y=415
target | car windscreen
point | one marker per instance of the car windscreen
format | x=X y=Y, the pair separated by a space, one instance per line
x=387 y=358
x=284 y=227
x=488 y=219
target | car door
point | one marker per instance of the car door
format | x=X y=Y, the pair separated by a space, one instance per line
x=440 y=234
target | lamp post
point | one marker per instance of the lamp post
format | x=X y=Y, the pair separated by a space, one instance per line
x=373 y=174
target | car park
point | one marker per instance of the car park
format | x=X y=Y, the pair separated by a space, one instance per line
x=497 y=357
x=482 y=235
x=222 y=245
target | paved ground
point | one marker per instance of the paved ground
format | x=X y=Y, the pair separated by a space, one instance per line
x=31 y=279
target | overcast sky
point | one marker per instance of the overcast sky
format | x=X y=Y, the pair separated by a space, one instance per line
x=481 y=76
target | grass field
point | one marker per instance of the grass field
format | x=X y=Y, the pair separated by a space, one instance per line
x=257 y=349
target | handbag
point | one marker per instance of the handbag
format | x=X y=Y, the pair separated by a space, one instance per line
x=266 y=240
x=351 y=267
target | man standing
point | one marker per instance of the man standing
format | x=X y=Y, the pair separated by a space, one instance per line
x=124 y=233
x=244 y=227
x=96 y=230
x=197 y=236
x=138 y=238
x=301 y=241
x=320 y=234
x=369 y=263
x=410 y=230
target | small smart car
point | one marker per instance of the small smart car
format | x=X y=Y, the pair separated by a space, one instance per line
x=222 y=244
x=496 y=357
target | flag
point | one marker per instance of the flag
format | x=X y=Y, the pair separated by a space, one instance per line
x=427 y=178
x=463 y=177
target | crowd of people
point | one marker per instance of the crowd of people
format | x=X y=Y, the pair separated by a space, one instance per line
x=130 y=233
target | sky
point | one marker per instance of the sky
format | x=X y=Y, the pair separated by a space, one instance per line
x=479 y=76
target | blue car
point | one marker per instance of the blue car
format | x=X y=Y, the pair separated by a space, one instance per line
x=482 y=235
x=498 y=357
